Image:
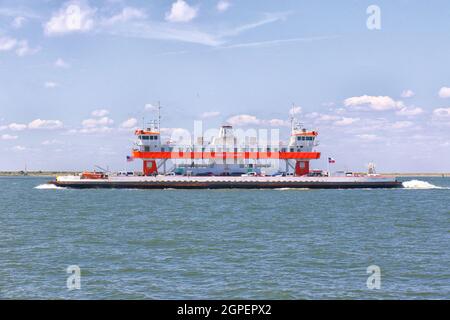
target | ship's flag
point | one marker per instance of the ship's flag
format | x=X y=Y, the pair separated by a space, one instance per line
x=331 y=160
x=129 y=159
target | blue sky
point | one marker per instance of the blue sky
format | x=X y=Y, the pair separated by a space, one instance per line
x=76 y=77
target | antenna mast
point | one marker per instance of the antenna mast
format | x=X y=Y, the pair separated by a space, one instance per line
x=159 y=116
x=293 y=120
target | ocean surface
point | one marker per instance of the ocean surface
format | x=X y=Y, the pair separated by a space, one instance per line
x=224 y=244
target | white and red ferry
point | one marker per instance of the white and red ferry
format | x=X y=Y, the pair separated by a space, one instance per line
x=223 y=162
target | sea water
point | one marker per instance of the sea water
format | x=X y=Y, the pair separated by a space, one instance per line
x=224 y=244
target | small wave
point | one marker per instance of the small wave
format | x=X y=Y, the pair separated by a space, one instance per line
x=48 y=186
x=418 y=184
x=288 y=189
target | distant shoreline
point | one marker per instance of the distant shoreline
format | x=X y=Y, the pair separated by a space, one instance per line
x=61 y=173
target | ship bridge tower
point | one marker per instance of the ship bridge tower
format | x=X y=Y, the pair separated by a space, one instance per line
x=148 y=141
x=301 y=140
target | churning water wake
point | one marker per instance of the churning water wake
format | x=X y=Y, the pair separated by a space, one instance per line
x=418 y=184
x=48 y=186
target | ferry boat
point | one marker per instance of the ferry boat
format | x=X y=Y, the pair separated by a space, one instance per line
x=226 y=162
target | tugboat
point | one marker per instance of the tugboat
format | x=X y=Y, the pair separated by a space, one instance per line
x=223 y=162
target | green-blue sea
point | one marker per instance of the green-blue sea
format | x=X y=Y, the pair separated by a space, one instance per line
x=224 y=244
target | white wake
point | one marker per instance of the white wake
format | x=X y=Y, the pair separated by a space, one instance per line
x=48 y=186
x=418 y=184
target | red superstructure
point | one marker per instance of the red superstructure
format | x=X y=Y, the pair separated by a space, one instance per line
x=223 y=154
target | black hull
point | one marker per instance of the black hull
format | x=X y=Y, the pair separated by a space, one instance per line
x=226 y=185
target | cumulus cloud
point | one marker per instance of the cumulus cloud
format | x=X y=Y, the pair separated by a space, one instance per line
x=45 y=124
x=17 y=126
x=444 y=92
x=150 y=107
x=21 y=47
x=442 y=113
x=130 y=123
x=100 y=113
x=223 y=5
x=50 y=85
x=181 y=11
x=402 y=124
x=96 y=130
x=18 y=22
x=19 y=148
x=127 y=14
x=210 y=114
x=98 y=122
x=409 y=111
x=243 y=120
x=346 y=121
x=8 y=137
x=368 y=137
x=74 y=16
x=50 y=142
x=407 y=93
x=278 y=122
x=60 y=63
x=377 y=103
x=295 y=110
x=7 y=43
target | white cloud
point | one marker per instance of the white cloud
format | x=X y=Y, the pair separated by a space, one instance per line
x=295 y=110
x=223 y=5
x=271 y=43
x=92 y=123
x=368 y=137
x=130 y=123
x=346 y=121
x=21 y=47
x=24 y=49
x=441 y=113
x=100 y=113
x=104 y=129
x=17 y=126
x=181 y=11
x=50 y=142
x=146 y=29
x=8 y=137
x=45 y=124
x=7 y=43
x=18 y=22
x=127 y=14
x=60 y=63
x=278 y=122
x=402 y=124
x=210 y=114
x=243 y=119
x=377 y=103
x=51 y=84
x=444 y=92
x=19 y=148
x=407 y=93
x=409 y=111
x=74 y=16
x=150 y=107
x=325 y=117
